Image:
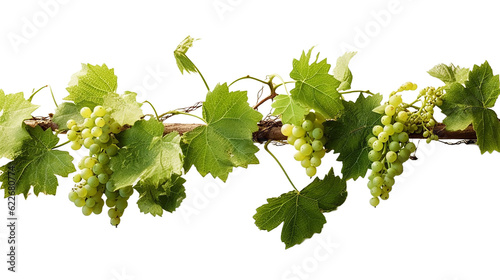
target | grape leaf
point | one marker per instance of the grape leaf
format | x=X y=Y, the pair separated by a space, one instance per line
x=349 y=134
x=167 y=196
x=314 y=87
x=183 y=62
x=302 y=212
x=37 y=164
x=341 y=71
x=226 y=140
x=290 y=111
x=14 y=109
x=470 y=104
x=89 y=86
x=449 y=73
x=126 y=110
x=146 y=154
x=64 y=112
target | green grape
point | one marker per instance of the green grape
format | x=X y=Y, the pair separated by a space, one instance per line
x=106 y=129
x=103 y=178
x=377 y=130
x=70 y=123
x=86 y=210
x=377 y=181
x=79 y=202
x=398 y=127
x=391 y=172
x=86 y=133
x=77 y=178
x=311 y=171
x=383 y=136
x=390 y=110
x=88 y=142
x=86 y=173
x=311 y=116
x=315 y=161
x=98 y=168
x=411 y=147
x=306 y=149
x=378 y=145
x=110 y=186
x=85 y=112
x=384 y=196
x=76 y=146
x=388 y=181
x=298 y=131
x=403 y=137
x=398 y=166
x=308 y=125
x=88 y=123
x=91 y=191
x=319 y=154
x=298 y=156
x=72 y=135
x=97 y=209
x=374 y=201
x=317 y=145
x=377 y=166
x=115 y=221
x=89 y=162
x=286 y=129
x=82 y=192
x=376 y=191
x=121 y=204
x=93 y=181
x=90 y=202
x=394 y=146
x=389 y=129
x=111 y=202
x=404 y=155
x=100 y=122
x=391 y=156
x=291 y=139
x=116 y=128
x=103 y=158
x=72 y=196
x=99 y=111
x=126 y=191
x=374 y=155
x=298 y=143
x=94 y=148
x=112 y=213
x=371 y=140
x=395 y=137
x=305 y=163
x=402 y=116
x=96 y=131
x=317 y=133
x=112 y=150
x=386 y=120
x=395 y=100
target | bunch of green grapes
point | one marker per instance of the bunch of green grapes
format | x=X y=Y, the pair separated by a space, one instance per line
x=309 y=140
x=97 y=134
x=390 y=148
x=422 y=121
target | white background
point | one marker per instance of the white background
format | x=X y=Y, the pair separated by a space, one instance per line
x=441 y=222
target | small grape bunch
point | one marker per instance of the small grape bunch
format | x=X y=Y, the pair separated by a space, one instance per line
x=309 y=140
x=97 y=134
x=390 y=148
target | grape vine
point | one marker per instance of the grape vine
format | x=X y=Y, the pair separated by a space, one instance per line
x=130 y=151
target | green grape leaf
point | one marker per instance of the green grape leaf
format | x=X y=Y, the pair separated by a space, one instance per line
x=167 y=196
x=14 y=109
x=341 y=71
x=89 y=86
x=314 y=87
x=290 y=111
x=183 y=62
x=226 y=140
x=349 y=134
x=37 y=164
x=471 y=103
x=449 y=73
x=126 y=110
x=65 y=112
x=302 y=212
x=146 y=154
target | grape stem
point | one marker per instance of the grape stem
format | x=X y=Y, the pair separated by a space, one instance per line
x=53 y=98
x=279 y=163
x=360 y=91
x=156 y=114
x=203 y=78
x=60 y=145
x=176 y=112
x=35 y=92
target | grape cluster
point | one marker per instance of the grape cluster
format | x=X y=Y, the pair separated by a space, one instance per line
x=97 y=134
x=422 y=121
x=309 y=140
x=390 y=148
